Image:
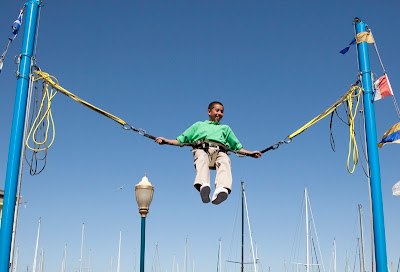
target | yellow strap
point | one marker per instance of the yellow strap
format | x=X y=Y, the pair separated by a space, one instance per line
x=49 y=79
x=364 y=37
x=44 y=116
x=352 y=143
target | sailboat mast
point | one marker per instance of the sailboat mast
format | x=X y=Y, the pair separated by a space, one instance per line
x=80 y=260
x=362 y=238
x=307 y=233
x=251 y=238
x=155 y=266
x=220 y=260
x=359 y=253
x=119 y=251
x=334 y=248
x=41 y=261
x=63 y=266
x=90 y=255
x=15 y=264
x=257 y=257
x=242 y=267
x=36 y=248
x=186 y=255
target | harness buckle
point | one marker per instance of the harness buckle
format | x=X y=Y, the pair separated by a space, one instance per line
x=205 y=145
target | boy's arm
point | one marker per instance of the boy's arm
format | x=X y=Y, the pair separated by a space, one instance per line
x=162 y=140
x=254 y=154
x=185 y=137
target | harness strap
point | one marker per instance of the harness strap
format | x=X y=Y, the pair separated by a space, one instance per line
x=212 y=159
x=205 y=145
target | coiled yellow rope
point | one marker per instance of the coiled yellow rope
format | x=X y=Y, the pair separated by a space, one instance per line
x=43 y=119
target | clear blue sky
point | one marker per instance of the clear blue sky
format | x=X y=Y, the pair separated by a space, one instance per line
x=157 y=64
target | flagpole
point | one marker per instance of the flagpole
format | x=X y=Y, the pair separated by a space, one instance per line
x=372 y=151
x=17 y=131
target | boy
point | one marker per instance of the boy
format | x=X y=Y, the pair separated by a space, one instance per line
x=211 y=130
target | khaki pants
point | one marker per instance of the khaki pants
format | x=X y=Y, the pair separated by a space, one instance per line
x=223 y=167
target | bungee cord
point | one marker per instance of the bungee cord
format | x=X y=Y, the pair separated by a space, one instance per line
x=50 y=85
x=354 y=92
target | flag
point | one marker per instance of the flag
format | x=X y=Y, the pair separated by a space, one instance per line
x=396 y=189
x=364 y=37
x=344 y=50
x=392 y=136
x=382 y=88
x=16 y=25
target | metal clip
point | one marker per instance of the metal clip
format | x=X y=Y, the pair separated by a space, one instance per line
x=17 y=60
x=128 y=127
x=141 y=131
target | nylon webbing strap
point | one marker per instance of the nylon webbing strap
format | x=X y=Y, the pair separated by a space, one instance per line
x=347 y=97
x=49 y=79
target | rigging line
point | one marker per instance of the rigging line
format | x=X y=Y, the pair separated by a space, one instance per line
x=376 y=50
x=396 y=106
x=37 y=30
x=316 y=234
x=251 y=237
x=384 y=72
x=315 y=253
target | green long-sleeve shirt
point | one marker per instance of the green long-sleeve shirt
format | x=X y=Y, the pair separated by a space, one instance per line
x=212 y=131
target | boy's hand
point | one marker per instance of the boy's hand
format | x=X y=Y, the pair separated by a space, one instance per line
x=160 y=140
x=255 y=154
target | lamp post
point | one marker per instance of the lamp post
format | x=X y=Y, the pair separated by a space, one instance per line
x=144 y=195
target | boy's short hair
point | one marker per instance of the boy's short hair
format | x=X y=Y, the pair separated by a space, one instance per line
x=212 y=104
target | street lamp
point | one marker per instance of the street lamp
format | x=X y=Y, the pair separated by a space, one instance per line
x=144 y=195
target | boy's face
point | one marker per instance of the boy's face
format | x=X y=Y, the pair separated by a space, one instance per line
x=216 y=113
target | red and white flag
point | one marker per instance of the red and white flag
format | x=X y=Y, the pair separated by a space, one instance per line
x=382 y=88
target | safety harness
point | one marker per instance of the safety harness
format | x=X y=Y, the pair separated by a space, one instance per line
x=205 y=144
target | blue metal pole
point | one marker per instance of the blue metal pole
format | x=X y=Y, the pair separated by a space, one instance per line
x=373 y=156
x=142 y=243
x=17 y=132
